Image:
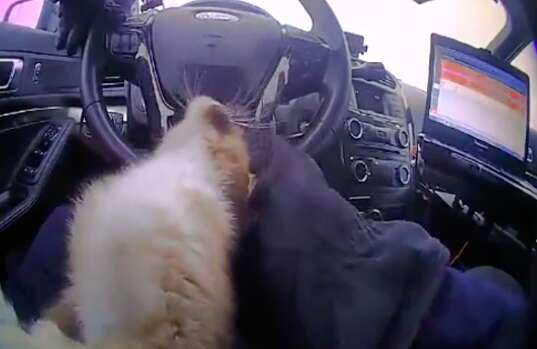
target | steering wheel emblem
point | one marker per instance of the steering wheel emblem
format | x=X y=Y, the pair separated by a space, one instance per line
x=216 y=16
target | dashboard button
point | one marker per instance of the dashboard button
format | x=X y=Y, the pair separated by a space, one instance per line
x=45 y=145
x=28 y=175
x=50 y=134
x=36 y=157
x=39 y=153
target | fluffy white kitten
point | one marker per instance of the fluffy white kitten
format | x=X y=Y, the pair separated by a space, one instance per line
x=150 y=246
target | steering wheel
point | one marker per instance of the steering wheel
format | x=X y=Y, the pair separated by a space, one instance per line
x=238 y=51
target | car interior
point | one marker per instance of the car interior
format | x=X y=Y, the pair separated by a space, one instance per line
x=456 y=158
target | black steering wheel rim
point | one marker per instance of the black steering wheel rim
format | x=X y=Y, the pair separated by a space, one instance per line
x=335 y=87
x=111 y=146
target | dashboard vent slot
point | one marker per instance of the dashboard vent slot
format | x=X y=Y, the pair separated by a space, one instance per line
x=111 y=81
x=374 y=72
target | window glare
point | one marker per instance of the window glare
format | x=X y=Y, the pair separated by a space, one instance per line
x=25 y=14
x=527 y=62
x=398 y=31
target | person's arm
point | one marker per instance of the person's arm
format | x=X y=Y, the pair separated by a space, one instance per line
x=77 y=17
x=313 y=274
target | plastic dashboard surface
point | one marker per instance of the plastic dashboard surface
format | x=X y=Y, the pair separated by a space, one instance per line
x=438 y=154
x=501 y=198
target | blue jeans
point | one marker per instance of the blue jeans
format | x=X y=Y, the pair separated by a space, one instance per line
x=43 y=272
x=481 y=308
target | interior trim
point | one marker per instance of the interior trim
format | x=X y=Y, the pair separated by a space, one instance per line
x=16 y=67
x=25 y=111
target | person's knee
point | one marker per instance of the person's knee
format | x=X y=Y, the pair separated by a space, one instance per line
x=511 y=329
x=39 y=279
x=481 y=308
x=498 y=278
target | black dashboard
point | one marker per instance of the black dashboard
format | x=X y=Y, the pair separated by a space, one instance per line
x=370 y=158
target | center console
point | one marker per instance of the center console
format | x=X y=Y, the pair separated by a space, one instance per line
x=376 y=144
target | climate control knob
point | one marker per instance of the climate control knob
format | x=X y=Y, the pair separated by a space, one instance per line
x=355 y=128
x=360 y=171
x=404 y=174
x=403 y=138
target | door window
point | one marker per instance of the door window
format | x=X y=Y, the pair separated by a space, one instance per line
x=21 y=12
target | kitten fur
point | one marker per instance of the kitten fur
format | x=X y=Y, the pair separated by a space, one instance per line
x=150 y=247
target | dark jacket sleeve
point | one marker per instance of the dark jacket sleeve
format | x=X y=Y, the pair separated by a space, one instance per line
x=314 y=274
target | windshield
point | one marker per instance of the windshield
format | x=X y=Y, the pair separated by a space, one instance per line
x=398 y=32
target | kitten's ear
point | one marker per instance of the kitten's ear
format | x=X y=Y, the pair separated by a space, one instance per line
x=218 y=116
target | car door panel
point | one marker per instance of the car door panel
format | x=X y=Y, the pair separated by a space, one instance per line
x=48 y=77
x=16 y=38
x=43 y=74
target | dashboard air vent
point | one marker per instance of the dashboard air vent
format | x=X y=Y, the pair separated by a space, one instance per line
x=112 y=81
